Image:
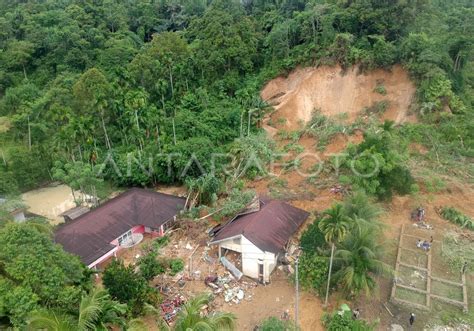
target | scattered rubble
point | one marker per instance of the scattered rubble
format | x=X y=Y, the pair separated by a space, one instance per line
x=171 y=307
x=232 y=290
x=232 y=268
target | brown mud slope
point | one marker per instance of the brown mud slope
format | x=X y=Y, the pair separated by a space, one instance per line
x=334 y=92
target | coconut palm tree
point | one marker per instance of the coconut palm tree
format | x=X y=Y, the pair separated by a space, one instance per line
x=97 y=311
x=358 y=259
x=358 y=205
x=335 y=226
x=190 y=318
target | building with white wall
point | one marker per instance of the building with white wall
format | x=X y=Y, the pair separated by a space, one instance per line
x=260 y=237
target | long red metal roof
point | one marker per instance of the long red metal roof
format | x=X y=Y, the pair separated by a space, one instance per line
x=89 y=236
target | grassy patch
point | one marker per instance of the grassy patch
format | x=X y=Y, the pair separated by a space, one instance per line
x=324 y=128
x=410 y=296
x=412 y=277
x=455 y=251
x=412 y=258
x=446 y=290
x=377 y=108
x=380 y=88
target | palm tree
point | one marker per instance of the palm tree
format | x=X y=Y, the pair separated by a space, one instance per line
x=334 y=226
x=358 y=260
x=97 y=311
x=358 y=205
x=190 y=319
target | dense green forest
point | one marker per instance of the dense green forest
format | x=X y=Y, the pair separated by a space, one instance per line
x=91 y=80
x=86 y=82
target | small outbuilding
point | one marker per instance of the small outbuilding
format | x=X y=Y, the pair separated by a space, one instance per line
x=72 y=214
x=260 y=237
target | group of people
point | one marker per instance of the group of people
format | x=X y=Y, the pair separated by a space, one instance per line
x=424 y=245
x=419 y=214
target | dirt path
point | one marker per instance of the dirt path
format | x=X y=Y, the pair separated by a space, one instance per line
x=334 y=92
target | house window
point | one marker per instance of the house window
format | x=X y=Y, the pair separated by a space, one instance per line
x=124 y=237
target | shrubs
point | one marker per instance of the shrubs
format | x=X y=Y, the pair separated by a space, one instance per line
x=312 y=239
x=275 y=324
x=377 y=165
x=313 y=272
x=126 y=286
x=323 y=128
x=378 y=107
x=150 y=266
x=176 y=266
x=342 y=321
x=160 y=242
x=455 y=216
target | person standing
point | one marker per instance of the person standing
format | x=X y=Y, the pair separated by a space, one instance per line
x=356 y=314
x=412 y=319
x=464 y=267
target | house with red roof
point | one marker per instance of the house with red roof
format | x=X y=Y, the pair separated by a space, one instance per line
x=120 y=222
x=260 y=237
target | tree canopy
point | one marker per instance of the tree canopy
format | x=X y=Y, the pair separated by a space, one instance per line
x=36 y=272
x=111 y=81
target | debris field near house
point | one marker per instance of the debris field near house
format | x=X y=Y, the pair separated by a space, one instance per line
x=204 y=273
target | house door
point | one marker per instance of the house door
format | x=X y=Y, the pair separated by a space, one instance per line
x=260 y=271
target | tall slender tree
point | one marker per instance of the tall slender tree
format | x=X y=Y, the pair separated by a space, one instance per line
x=335 y=226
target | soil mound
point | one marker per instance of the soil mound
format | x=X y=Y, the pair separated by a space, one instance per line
x=334 y=91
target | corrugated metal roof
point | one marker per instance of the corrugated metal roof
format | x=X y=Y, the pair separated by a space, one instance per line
x=89 y=235
x=269 y=229
x=75 y=212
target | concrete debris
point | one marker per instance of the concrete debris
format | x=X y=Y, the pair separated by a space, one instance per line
x=233 y=292
x=209 y=259
x=290 y=269
x=189 y=247
x=232 y=268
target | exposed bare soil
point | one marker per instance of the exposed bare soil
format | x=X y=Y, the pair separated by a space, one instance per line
x=50 y=201
x=333 y=92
